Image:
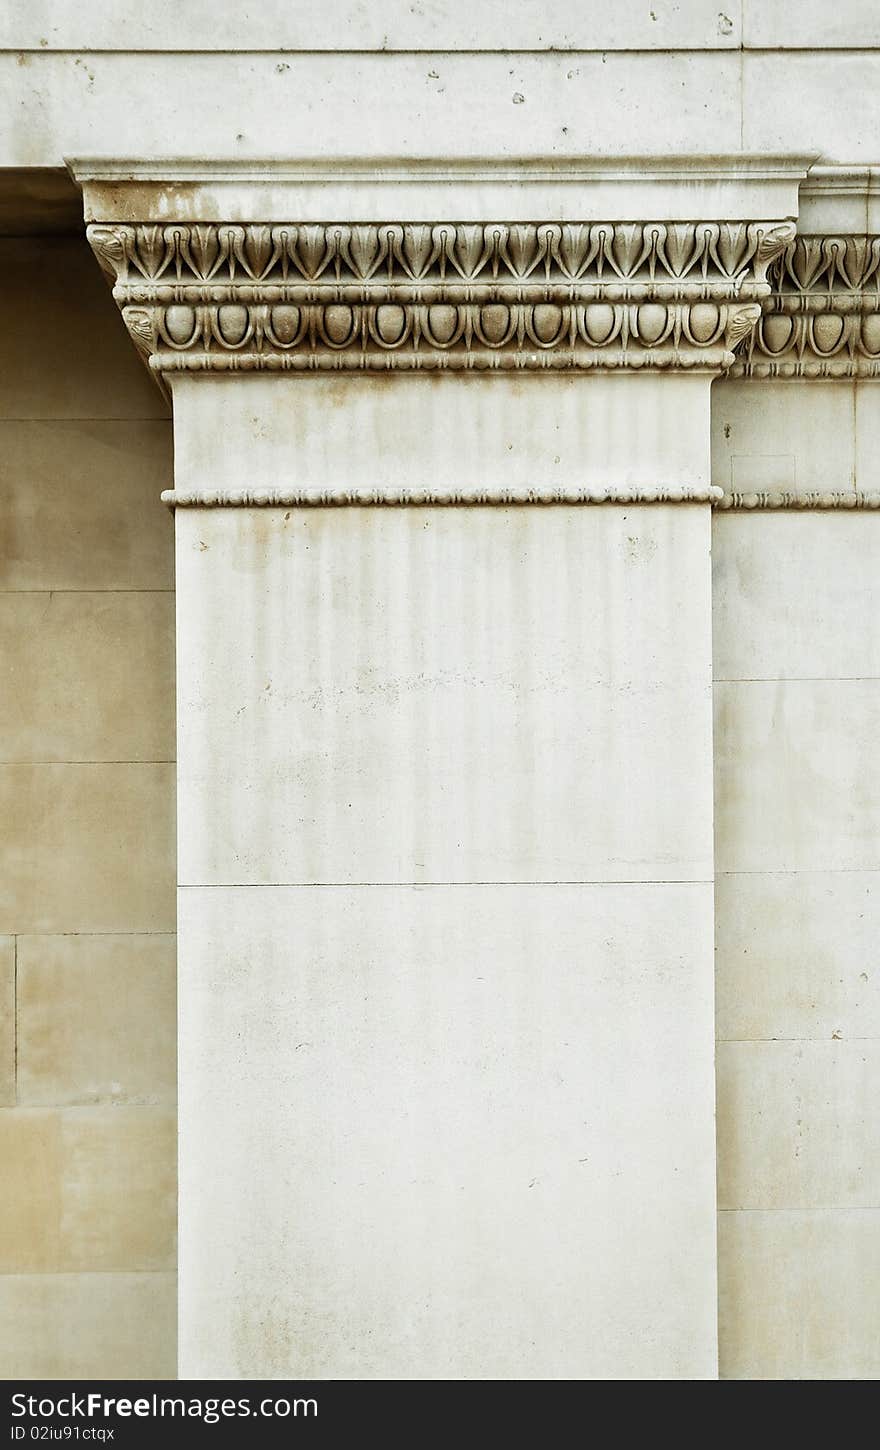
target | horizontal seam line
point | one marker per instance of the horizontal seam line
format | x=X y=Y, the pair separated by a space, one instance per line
x=502 y=51
x=86 y=590
x=99 y=1104
x=797 y=680
x=505 y=52
x=802 y=871
x=74 y=417
x=815 y=1208
x=353 y=885
x=81 y=1273
x=721 y=1041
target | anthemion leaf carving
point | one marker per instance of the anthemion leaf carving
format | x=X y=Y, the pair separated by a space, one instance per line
x=822 y=318
x=440 y=296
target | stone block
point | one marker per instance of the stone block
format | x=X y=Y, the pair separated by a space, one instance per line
x=797 y=1125
x=87 y=848
x=796 y=955
x=798 y=1295
x=796 y=595
x=87 y=677
x=88 y=1326
x=87 y=1189
x=784 y=434
x=447 y=1112
x=79 y=505
x=96 y=1019
x=7 y=1021
x=480 y=695
x=796 y=785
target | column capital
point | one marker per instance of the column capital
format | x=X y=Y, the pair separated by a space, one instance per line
x=822 y=318
x=639 y=265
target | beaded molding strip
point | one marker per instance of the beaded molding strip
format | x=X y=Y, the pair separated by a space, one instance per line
x=507 y=497
x=439 y=497
x=772 y=499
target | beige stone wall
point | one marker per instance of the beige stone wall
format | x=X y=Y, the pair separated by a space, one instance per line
x=797 y=817
x=87 y=873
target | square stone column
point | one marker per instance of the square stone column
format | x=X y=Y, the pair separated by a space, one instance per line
x=445 y=758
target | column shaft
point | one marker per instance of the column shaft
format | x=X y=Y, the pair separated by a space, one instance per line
x=446 y=1001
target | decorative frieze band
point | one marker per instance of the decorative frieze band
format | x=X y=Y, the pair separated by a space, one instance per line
x=822 y=319
x=502 y=296
x=443 y=296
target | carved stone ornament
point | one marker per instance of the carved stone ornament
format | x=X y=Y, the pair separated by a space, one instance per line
x=789 y=499
x=822 y=319
x=442 y=296
x=342 y=497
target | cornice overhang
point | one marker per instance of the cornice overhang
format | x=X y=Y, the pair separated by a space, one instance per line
x=518 y=189
x=638 y=264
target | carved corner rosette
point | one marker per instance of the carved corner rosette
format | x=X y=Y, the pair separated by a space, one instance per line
x=822 y=318
x=440 y=297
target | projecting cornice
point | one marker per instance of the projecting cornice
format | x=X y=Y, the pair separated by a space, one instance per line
x=404 y=268
x=448 y=296
x=822 y=318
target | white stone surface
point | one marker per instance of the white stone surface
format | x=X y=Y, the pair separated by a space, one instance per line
x=796 y=784
x=444 y=26
x=58 y=104
x=454 y=1132
x=829 y=102
x=431 y=431
x=315 y=25
x=784 y=434
x=798 y=1295
x=397 y=25
x=375 y=704
x=814 y=25
x=461 y=188
x=797 y=820
x=797 y=1124
x=55 y=104
x=480 y=694
x=837 y=199
x=796 y=955
x=868 y=433
x=796 y=595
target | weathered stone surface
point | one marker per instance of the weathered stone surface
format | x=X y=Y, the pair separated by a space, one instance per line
x=465 y=1099
x=96 y=1019
x=88 y=1326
